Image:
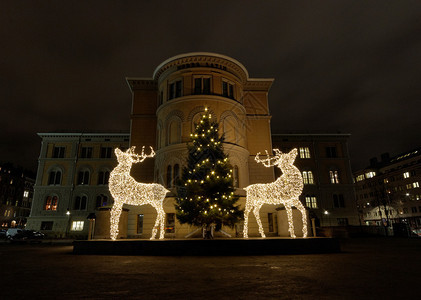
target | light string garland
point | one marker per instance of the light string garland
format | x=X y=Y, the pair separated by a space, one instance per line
x=284 y=190
x=126 y=190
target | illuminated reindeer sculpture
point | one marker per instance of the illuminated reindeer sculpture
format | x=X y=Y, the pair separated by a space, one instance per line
x=284 y=190
x=125 y=189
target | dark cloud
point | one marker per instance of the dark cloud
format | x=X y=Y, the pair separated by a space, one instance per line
x=349 y=66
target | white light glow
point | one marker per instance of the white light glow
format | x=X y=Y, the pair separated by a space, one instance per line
x=125 y=189
x=284 y=190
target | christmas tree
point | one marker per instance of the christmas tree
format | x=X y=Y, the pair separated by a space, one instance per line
x=205 y=193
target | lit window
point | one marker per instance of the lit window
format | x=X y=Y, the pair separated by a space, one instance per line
x=360 y=177
x=386 y=180
x=175 y=90
x=416 y=184
x=308 y=177
x=370 y=174
x=409 y=186
x=304 y=152
x=202 y=85
x=25 y=194
x=334 y=176
x=77 y=225
x=311 y=201
x=51 y=203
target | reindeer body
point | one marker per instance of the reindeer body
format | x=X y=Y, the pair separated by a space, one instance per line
x=284 y=190
x=126 y=190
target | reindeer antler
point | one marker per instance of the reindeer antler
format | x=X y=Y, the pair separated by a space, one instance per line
x=267 y=162
x=142 y=156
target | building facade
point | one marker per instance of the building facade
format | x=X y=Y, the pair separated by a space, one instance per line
x=328 y=184
x=165 y=108
x=72 y=181
x=389 y=195
x=16 y=192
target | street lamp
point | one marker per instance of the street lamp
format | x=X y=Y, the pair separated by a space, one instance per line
x=68 y=222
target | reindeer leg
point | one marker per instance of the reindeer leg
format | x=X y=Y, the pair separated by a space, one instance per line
x=162 y=231
x=302 y=209
x=115 y=220
x=290 y=220
x=246 y=219
x=259 y=222
x=157 y=222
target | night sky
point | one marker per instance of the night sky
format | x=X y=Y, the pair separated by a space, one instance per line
x=339 y=66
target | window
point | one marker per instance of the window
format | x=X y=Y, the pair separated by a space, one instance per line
x=308 y=177
x=170 y=223
x=175 y=90
x=236 y=179
x=416 y=184
x=342 y=221
x=360 y=177
x=103 y=177
x=227 y=89
x=77 y=225
x=25 y=194
x=331 y=152
x=406 y=175
x=58 y=152
x=101 y=201
x=338 y=201
x=169 y=176
x=139 y=224
x=46 y=225
x=106 y=152
x=202 y=85
x=174 y=132
x=270 y=222
x=405 y=210
x=311 y=201
x=83 y=177
x=409 y=186
x=414 y=209
x=370 y=174
x=334 y=177
x=54 y=178
x=51 y=203
x=80 y=203
x=176 y=173
x=86 y=152
x=304 y=152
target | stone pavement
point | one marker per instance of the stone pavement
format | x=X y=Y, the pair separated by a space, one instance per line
x=383 y=268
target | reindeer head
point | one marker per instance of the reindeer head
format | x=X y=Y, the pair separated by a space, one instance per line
x=129 y=157
x=279 y=159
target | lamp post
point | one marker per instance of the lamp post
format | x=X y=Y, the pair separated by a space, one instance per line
x=68 y=223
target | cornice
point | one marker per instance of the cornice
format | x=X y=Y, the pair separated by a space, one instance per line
x=142 y=84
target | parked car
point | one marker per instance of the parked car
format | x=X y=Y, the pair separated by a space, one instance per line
x=12 y=231
x=27 y=236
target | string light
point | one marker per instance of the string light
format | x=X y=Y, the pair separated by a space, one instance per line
x=125 y=189
x=284 y=190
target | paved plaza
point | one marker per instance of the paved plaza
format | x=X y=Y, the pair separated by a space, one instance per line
x=367 y=268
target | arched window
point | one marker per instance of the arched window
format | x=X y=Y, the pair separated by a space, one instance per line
x=83 y=177
x=103 y=177
x=308 y=177
x=230 y=129
x=51 y=203
x=101 y=200
x=236 y=177
x=174 y=132
x=80 y=203
x=54 y=178
x=334 y=176
x=169 y=176
x=176 y=173
x=311 y=201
